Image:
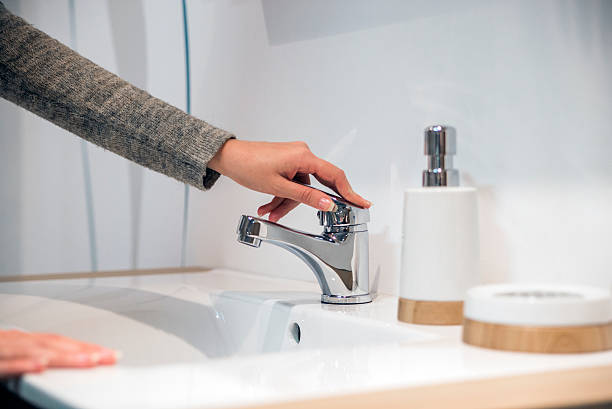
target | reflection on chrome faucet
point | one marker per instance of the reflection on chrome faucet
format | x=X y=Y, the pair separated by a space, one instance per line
x=338 y=257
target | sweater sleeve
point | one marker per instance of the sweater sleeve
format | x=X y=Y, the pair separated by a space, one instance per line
x=49 y=79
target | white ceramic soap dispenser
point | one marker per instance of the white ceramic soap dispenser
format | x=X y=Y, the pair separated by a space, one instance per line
x=440 y=246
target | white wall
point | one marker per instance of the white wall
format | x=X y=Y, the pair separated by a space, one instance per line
x=138 y=213
x=46 y=188
x=526 y=84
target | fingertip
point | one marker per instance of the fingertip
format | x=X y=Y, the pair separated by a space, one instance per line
x=275 y=216
x=352 y=196
x=265 y=209
x=361 y=201
x=110 y=357
x=271 y=206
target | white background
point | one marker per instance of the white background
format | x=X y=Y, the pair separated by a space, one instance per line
x=526 y=84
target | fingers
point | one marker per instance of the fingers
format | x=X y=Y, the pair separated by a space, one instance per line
x=74 y=360
x=22 y=352
x=280 y=206
x=267 y=208
x=335 y=178
x=85 y=357
x=12 y=367
x=302 y=194
x=108 y=357
x=279 y=165
x=66 y=352
x=58 y=342
x=101 y=355
x=285 y=207
x=327 y=174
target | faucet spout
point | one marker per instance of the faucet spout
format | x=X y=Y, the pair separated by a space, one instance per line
x=338 y=257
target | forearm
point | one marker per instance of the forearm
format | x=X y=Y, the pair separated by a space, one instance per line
x=45 y=77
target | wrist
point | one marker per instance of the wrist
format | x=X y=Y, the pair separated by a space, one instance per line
x=219 y=162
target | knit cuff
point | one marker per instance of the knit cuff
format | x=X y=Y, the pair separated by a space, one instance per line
x=210 y=175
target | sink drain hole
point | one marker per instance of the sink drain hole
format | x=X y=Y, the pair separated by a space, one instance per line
x=295 y=332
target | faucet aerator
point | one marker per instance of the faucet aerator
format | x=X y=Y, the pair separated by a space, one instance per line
x=250 y=241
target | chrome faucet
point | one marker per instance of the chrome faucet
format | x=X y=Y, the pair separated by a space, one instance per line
x=338 y=257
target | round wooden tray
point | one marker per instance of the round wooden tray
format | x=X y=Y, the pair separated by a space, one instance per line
x=553 y=340
x=430 y=312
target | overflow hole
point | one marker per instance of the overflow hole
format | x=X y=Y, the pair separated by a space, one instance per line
x=295 y=332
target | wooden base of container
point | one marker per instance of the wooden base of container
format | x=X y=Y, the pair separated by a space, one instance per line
x=430 y=312
x=553 y=340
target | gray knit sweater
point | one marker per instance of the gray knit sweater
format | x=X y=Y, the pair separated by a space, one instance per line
x=44 y=76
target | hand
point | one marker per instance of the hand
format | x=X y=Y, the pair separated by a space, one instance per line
x=24 y=352
x=274 y=168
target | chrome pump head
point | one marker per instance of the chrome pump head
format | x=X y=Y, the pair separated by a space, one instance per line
x=440 y=146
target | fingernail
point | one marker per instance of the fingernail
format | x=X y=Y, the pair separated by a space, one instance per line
x=326 y=205
x=87 y=359
x=369 y=203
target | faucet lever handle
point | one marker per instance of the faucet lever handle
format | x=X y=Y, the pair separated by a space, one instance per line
x=344 y=214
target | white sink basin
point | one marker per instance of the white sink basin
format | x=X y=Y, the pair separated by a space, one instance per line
x=223 y=338
x=250 y=324
x=192 y=322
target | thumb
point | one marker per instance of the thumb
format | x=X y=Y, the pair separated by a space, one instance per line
x=312 y=197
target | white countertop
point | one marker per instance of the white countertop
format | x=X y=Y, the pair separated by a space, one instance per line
x=159 y=322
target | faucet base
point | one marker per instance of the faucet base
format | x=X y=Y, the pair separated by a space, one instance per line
x=346 y=299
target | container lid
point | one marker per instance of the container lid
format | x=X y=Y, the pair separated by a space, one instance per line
x=538 y=304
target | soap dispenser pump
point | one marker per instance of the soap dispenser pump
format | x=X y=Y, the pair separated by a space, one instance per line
x=440 y=146
x=440 y=245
